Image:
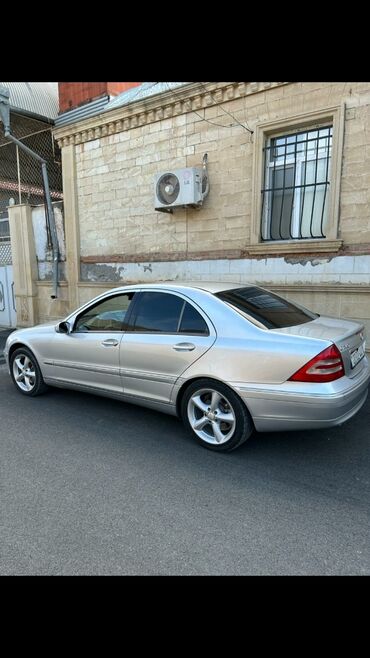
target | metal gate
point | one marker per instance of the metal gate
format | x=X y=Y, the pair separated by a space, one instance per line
x=8 y=314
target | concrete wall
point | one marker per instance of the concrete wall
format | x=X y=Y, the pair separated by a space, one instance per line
x=32 y=265
x=44 y=254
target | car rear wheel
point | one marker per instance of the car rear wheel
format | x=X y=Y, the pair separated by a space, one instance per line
x=215 y=415
x=26 y=373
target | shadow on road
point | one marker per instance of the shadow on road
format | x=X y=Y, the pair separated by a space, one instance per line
x=332 y=460
x=4 y=333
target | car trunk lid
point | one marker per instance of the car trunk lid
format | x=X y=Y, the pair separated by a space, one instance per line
x=348 y=336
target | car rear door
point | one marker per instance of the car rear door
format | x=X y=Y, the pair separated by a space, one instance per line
x=168 y=333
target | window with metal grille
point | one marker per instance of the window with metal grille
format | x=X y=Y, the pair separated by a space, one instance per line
x=4 y=230
x=295 y=195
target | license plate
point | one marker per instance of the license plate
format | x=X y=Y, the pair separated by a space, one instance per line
x=357 y=355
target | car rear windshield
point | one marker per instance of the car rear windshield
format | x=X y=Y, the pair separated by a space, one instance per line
x=272 y=311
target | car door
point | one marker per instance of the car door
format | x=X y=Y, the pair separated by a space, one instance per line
x=88 y=357
x=167 y=334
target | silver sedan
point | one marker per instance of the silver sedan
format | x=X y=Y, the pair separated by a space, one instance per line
x=226 y=358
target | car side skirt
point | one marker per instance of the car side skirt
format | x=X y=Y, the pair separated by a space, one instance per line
x=167 y=408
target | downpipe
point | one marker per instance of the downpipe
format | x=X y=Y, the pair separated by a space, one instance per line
x=53 y=230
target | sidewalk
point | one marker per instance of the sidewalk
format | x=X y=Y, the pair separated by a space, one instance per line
x=4 y=333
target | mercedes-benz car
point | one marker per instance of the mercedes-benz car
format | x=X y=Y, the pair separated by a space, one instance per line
x=226 y=358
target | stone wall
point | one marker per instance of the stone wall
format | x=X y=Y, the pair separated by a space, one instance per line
x=115 y=174
x=116 y=236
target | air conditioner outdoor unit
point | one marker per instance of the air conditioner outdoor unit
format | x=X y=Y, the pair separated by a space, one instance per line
x=183 y=187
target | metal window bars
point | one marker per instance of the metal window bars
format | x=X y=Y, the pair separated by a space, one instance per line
x=295 y=195
x=4 y=230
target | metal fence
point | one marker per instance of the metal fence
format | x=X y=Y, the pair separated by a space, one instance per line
x=20 y=174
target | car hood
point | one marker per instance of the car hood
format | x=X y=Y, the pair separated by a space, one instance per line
x=46 y=327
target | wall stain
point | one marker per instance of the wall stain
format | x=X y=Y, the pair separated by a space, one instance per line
x=101 y=272
x=304 y=261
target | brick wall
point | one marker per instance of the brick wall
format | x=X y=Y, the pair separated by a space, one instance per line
x=73 y=94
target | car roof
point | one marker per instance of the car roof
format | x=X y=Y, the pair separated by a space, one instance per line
x=208 y=286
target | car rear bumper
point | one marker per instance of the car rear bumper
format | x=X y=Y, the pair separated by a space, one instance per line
x=293 y=406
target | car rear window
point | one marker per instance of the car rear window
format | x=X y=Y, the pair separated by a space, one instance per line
x=272 y=311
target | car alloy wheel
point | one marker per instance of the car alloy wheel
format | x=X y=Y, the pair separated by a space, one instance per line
x=26 y=373
x=211 y=416
x=216 y=416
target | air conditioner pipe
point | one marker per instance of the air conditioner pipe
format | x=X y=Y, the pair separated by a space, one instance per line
x=205 y=175
x=49 y=208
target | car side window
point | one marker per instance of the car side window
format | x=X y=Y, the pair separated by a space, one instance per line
x=192 y=322
x=158 y=312
x=167 y=313
x=108 y=315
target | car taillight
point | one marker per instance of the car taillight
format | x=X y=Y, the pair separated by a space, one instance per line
x=325 y=367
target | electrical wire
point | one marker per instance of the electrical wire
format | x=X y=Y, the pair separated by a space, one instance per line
x=184 y=100
x=227 y=112
x=213 y=123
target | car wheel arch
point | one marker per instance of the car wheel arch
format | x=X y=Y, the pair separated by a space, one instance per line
x=188 y=383
x=18 y=345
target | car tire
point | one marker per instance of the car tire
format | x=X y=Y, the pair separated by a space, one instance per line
x=215 y=415
x=26 y=373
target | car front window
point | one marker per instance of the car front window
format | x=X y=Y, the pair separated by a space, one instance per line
x=108 y=315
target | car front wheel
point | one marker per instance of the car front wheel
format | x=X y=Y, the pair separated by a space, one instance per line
x=215 y=415
x=26 y=373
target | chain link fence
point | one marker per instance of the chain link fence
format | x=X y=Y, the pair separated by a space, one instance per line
x=20 y=174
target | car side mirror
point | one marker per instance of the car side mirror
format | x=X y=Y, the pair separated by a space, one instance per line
x=63 y=327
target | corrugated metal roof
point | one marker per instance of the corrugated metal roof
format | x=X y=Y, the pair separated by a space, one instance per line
x=144 y=91
x=39 y=98
x=82 y=112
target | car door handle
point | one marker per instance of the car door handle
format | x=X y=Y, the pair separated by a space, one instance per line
x=110 y=342
x=184 y=347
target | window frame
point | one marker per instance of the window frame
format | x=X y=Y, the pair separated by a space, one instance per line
x=5 y=237
x=185 y=299
x=280 y=128
x=296 y=161
x=86 y=309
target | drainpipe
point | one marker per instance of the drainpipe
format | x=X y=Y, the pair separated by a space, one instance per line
x=5 y=116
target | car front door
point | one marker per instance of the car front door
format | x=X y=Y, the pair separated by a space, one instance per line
x=88 y=357
x=167 y=334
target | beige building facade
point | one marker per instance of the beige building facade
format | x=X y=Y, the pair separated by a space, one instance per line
x=288 y=206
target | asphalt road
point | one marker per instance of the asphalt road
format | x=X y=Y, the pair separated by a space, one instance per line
x=94 y=486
